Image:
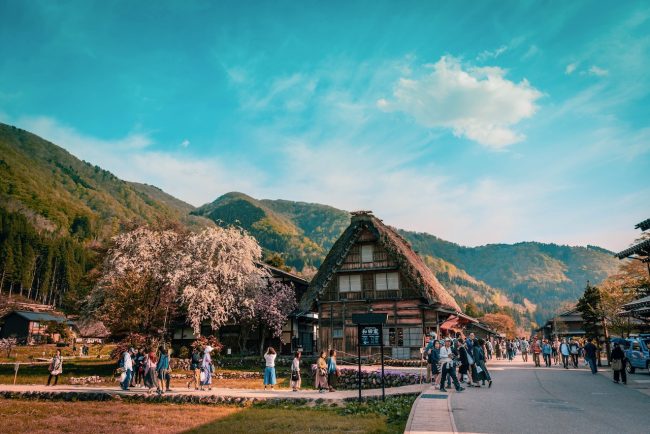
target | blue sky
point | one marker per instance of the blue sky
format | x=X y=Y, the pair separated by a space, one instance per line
x=480 y=122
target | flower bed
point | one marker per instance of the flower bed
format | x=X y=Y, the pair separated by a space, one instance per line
x=94 y=379
x=348 y=379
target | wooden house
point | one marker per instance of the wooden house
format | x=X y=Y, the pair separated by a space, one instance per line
x=29 y=326
x=298 y=333
x=371 y=268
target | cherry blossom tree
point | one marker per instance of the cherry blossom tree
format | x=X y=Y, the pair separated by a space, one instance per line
x=218 y=274
x=135 y=292
x=273 y=304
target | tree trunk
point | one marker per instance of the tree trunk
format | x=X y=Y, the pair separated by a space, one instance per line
x=2 y=280
x=11 y=288
x=262 y=339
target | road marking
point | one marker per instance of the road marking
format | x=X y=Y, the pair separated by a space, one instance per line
x=641 y=381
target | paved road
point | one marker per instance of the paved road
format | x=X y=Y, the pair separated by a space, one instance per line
x=552 y=400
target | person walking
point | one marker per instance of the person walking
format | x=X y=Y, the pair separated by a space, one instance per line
x=525 y=346
x=489 y=349
x=464 y=361
x=207 y=368
x=127 y=364
x=537 y=351
x=565 y=352
x=575 y=351
x=269 y=370
x=162 y=368
x=590 y=350
x=618 y=364
x=479 y=359
x=55 y=368
x=332 y=371
x=447 y=360
x=195 y=367
x=295 y=372
x=556 y=351
x=497 y=349
x=320 y=381
x=138 y=367
x=546 y=353
x=426 y=352
x=149 y=379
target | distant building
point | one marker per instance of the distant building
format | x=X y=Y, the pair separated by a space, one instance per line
x=565 y=325
x=371 y=268
x=28 y=326
x=90 y=331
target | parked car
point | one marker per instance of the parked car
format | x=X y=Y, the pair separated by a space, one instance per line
x=637 y=351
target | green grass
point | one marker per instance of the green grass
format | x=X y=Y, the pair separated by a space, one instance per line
x=37 y=374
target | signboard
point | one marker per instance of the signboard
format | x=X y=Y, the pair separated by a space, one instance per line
x=370 y=336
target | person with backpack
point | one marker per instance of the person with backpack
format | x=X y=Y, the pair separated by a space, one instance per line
x=162 y=368
x=332 y=371
x=55 y=368
x=447 y=359
x=127 y=364
x=565 y=352
x=195 y=367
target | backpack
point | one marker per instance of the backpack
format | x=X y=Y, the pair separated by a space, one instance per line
x=120 y=363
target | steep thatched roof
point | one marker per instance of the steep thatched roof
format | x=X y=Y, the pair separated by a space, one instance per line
x=410 y=263
x=89 y=328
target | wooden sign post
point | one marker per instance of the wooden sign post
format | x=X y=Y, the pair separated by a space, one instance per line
x=370 y=333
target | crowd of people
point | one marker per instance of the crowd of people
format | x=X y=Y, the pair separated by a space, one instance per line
x=455 y=360
x=145 y=369
x=459 y=360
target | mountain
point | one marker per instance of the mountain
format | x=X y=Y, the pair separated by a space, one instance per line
x=56 y=211
x=547 y=275
x=281 y=227
x=529 y=279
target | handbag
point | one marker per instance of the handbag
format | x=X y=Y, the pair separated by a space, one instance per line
x=617 y=365
x=295 y=376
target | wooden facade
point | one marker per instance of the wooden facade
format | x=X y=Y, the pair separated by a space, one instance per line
x=372 y=269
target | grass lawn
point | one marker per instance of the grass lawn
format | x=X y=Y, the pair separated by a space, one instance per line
x=34 y=417
x=27 y=353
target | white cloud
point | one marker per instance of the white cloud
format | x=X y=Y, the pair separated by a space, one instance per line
x=491 y=54
x=570 y=68
x=185 y=143
x=597 y=71
x=478 y=103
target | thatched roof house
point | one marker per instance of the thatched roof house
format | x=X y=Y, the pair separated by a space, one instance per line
x=372 y=268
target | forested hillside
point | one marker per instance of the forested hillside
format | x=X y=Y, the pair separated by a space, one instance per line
x=56 y=213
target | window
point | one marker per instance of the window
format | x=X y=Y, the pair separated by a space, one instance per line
x=387 y=281
x=337 y=333
x=636 y=346
x=366 y=253
x=350 y=283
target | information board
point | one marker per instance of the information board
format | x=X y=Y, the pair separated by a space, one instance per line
x=370 y=336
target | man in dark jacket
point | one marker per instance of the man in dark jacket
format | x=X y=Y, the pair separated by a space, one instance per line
x=195 y=367
x=590 y=356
